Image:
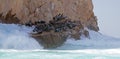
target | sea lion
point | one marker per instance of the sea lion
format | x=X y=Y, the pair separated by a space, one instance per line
x=59 y=17
x=39 y=28
x=29 y=23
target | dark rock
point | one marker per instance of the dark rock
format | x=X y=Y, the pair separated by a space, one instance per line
x=41 y=22
x=86 y=33
x=91 y=27
x=1 y=15
x=29 y=24
x=9 y=18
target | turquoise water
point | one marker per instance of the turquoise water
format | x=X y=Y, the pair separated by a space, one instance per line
x=55 y=54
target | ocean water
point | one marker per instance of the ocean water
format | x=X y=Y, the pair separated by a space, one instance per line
x=56 y=54
x=16 y=43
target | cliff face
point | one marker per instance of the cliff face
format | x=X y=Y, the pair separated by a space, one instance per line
x=75 y=10
x=45 y=9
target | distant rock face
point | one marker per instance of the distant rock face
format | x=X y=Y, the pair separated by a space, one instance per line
x=34 y=10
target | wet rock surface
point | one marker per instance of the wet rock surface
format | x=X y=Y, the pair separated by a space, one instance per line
x=51 y=40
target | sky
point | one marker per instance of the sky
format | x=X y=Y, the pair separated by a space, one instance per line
x=108 y=14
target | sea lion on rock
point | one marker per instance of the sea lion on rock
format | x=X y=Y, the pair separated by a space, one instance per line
x=59 y=17
x=48 y=27
x=42 y=26
x=70 y=24
x=58 y=24
x=29 y=23
x=42 y=22
x=39 y=22
x=39 y=28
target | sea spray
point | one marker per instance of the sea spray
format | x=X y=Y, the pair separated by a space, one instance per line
x=16 y=37
x=15 y=43
x=96 y=41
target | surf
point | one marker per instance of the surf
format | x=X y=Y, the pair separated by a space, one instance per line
x=15 y=42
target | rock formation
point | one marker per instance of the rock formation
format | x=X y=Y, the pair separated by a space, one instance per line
x=29 y=12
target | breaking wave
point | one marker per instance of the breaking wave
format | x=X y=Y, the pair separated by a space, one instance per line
x=16 y=37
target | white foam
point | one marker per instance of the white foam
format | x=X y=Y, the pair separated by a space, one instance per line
x=96 y=41
x=16 y=37
x=86 y=51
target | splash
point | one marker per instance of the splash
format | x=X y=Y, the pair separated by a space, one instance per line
x=15 y=42
x=16 y=37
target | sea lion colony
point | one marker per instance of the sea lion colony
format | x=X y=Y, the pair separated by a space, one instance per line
x=58 y=24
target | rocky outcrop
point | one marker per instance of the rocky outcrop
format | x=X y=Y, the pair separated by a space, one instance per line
x=30 y=11
x=46 y=9
x=55 y=33
x=51 y=39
